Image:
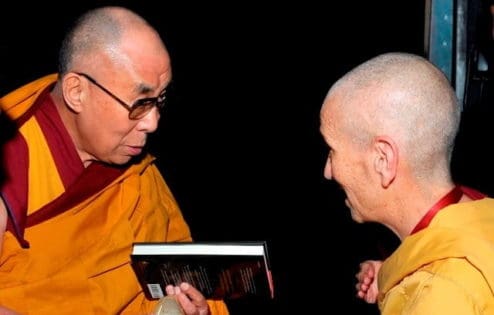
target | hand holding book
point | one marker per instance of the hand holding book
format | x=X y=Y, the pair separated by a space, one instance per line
x=168 y=306
x=217 y=270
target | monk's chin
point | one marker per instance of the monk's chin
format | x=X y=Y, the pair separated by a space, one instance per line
x=356 y=216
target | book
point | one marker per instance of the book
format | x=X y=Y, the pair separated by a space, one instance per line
x=218 y=270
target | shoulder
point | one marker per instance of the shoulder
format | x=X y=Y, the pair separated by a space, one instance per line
x=452 y=285
x=18 y=102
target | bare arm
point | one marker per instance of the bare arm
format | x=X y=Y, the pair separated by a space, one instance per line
x=3 y=221
x=3 y=226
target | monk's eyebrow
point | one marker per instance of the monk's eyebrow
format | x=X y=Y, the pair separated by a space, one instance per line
x=144 y=88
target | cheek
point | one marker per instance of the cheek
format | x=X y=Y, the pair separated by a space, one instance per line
x=342 y=170
x=334 y=166
x=105 y=130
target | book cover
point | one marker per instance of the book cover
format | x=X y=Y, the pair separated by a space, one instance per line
x=218 y=270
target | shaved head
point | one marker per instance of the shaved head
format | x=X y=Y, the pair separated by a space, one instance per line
x=111 y=57
x=99 y=31
x=399 y=95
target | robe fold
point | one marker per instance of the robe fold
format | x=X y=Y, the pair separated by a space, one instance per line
x=70 y=229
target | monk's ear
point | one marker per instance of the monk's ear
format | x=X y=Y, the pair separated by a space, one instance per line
x=385 y=159
x=73 y=86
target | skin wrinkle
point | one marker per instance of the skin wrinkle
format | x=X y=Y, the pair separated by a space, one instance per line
x=398 y=112
x=133 y=65
x=380 y=99
x=397 y=173
x=110 y=61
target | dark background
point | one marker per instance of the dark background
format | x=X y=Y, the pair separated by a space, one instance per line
x=239 y=143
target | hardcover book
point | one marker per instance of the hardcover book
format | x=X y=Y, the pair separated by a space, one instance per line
x=219 y=270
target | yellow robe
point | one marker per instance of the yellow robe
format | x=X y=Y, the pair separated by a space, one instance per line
x=446 y=268
x=79 y=261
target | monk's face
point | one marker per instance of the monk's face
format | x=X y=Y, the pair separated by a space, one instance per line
x=134 y=74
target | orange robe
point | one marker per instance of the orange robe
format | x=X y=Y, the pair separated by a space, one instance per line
x=70 y=229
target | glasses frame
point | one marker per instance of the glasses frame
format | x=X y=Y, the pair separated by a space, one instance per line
x=139 y=108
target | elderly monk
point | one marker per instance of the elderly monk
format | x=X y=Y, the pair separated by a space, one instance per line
x=78 y=188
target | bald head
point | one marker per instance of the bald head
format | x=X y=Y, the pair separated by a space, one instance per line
x=113 y=64
x=102 y=30
x=399 y=95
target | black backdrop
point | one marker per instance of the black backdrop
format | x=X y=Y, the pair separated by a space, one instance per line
x=239 y=142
